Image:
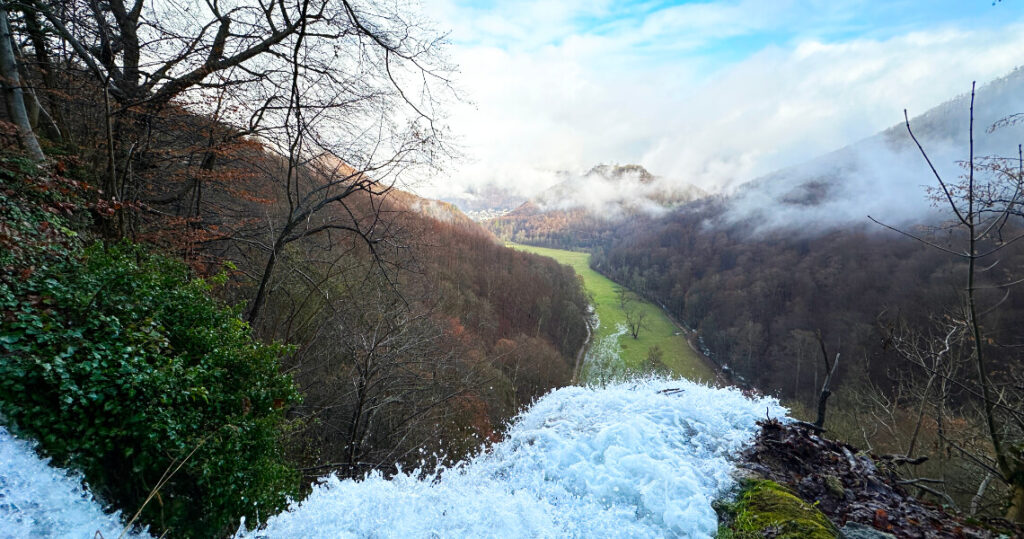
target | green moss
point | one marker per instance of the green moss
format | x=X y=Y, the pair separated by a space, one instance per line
x=835 y=486
x=766 y=508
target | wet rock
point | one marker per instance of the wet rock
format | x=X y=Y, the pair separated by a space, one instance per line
x=854 y=530
x=848 y=488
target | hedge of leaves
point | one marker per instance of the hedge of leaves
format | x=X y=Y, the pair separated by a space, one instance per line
x=122 y=365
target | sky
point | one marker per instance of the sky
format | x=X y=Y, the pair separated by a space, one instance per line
x=707 y=93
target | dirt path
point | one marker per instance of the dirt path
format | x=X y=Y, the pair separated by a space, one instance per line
x=581 y=354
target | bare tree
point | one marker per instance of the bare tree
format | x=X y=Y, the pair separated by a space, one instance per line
x=319 y=178
x=655 y=359
x=636 y=320
x=826 y=385
x=343 y=97
x=324 y=83
x=380 y=381
x=938 y=433
x=636 y=315
x=150 y=52
x=14 y=95
x=982 y=209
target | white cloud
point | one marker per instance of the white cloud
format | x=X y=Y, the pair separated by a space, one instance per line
x=783 y=106
x=553 y=92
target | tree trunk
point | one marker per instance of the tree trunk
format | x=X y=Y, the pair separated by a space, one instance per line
x=261 y=292
x=44 y=119
x=109 y=184
x=48 y=108
x=920 y=415
x=13 y=94
x=826 y=389
x=354 y=436
x=1016 y=511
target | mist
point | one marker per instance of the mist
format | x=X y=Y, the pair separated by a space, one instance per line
x=616 y=191
x=700 y=119
x=885 y=176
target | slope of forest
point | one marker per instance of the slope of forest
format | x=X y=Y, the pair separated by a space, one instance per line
x=582 y=211
x=441 y=349
x=885 y=175
x=203 y=307
x=213 y=290
x=790 y=268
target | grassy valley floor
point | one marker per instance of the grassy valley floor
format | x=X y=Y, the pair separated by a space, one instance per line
x=677 y=356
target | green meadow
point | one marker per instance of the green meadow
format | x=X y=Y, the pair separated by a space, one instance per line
x=677 y=356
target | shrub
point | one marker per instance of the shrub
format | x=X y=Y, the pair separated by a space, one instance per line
x=121 y=365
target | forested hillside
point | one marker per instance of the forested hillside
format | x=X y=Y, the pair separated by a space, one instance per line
x=212 y=287
x=789 y=276
x=758 y=302
x=561 y=229
x=225 y=310
x=584 y=211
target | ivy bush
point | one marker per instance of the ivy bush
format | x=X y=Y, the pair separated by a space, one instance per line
x=124 y=367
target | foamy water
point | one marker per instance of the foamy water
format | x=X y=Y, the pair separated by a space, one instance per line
x=633 y=459
x=38 y=500
x=603 y=363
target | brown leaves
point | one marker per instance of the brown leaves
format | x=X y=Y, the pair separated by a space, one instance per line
x=846 y=484
x=61 y=208
x=881 y=520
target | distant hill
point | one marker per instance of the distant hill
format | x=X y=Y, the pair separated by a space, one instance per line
x=439 y=210
x=789 y=266
x=883 y=175
x=580 y=211
x=613 y=191
x=487 y=202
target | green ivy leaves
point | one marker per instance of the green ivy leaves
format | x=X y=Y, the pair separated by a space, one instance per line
x=120 y=364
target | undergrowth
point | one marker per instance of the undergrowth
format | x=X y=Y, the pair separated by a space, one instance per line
x=122 y=365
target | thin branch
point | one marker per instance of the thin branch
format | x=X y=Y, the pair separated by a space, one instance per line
x=922 y=240
x=945 y=190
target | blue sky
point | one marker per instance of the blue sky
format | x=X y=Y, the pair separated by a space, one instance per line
x=833 y=20
x=848 y=17
x=710 y=93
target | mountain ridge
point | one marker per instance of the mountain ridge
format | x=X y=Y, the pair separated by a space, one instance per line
x=882 y=175
x=582 y=209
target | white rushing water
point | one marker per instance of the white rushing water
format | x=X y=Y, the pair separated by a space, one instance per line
x=633 y=459
x=38 y=500
x=603 y=363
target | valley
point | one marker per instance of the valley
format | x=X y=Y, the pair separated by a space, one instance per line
x=678 y=356
x=536 y=269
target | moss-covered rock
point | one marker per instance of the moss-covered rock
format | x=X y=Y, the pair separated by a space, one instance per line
x=835 y=486
x=765 y=508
